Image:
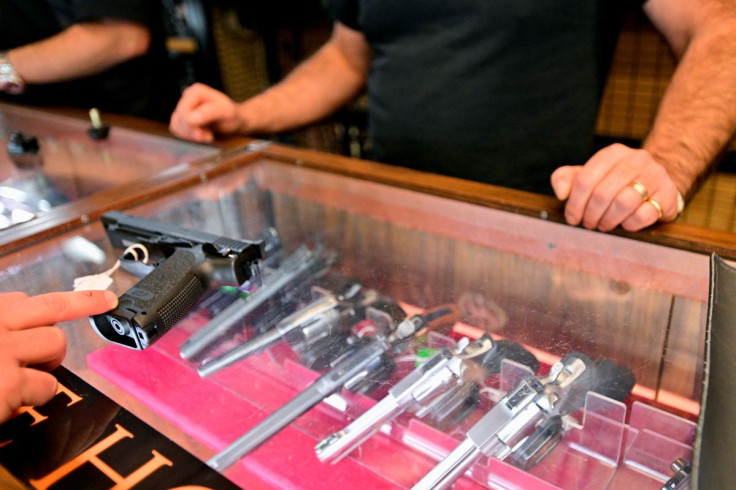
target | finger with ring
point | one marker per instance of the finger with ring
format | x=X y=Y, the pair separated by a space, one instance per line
x=640 y=189
x=656 y=206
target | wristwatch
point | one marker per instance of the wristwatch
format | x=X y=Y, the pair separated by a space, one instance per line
x=10 y=81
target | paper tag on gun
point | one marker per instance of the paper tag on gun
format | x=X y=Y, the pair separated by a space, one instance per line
x=97 y=281
x=103 y=280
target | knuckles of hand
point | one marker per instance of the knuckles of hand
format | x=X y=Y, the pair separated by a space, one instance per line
x=10 y=383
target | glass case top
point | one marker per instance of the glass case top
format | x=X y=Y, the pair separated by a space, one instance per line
x=49 y=160
x=551 y=288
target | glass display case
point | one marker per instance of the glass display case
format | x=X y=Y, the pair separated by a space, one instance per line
x=635 y=306
x=50 y=163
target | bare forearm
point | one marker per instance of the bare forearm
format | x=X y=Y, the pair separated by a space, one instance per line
x=315 y=89
x=81 y=50
x=697 y=116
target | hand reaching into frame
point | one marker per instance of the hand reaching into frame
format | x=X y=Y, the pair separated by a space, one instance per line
x=618 y=186
x=30 y=344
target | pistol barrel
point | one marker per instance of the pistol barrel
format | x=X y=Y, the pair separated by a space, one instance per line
x=364 y=361
x=451 y=468
x=312 y=312
x=422 y=382
x=267 y=428
x=338 y=445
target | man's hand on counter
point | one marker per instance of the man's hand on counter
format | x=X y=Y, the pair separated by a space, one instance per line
x=203 y=112
x=30 y=344
x=618 y=186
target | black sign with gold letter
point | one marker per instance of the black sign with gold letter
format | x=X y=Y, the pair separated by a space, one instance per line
x=82 y=439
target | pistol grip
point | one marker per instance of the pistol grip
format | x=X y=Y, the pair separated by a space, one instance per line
x=157 y=302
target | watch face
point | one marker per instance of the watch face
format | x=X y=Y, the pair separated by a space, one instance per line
x=6 y=70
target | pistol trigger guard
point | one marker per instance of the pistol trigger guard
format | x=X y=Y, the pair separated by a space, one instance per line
x=135 y=264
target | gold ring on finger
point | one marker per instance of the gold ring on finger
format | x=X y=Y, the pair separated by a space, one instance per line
x=656 y=206
x=640 y=189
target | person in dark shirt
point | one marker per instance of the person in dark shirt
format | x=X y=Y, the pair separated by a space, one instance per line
x=92 y=53
x=507 y=93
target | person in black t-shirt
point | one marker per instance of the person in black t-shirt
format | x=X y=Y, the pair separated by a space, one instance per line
x=95 y=53
x=507 y=93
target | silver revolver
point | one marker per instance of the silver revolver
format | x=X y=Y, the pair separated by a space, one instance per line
x=298 y=269
x=446 y=376
x=359 y=370
x=327 y=315
x=518 y=416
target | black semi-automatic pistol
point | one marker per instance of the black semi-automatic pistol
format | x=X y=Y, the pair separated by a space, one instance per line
x=191 y=263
